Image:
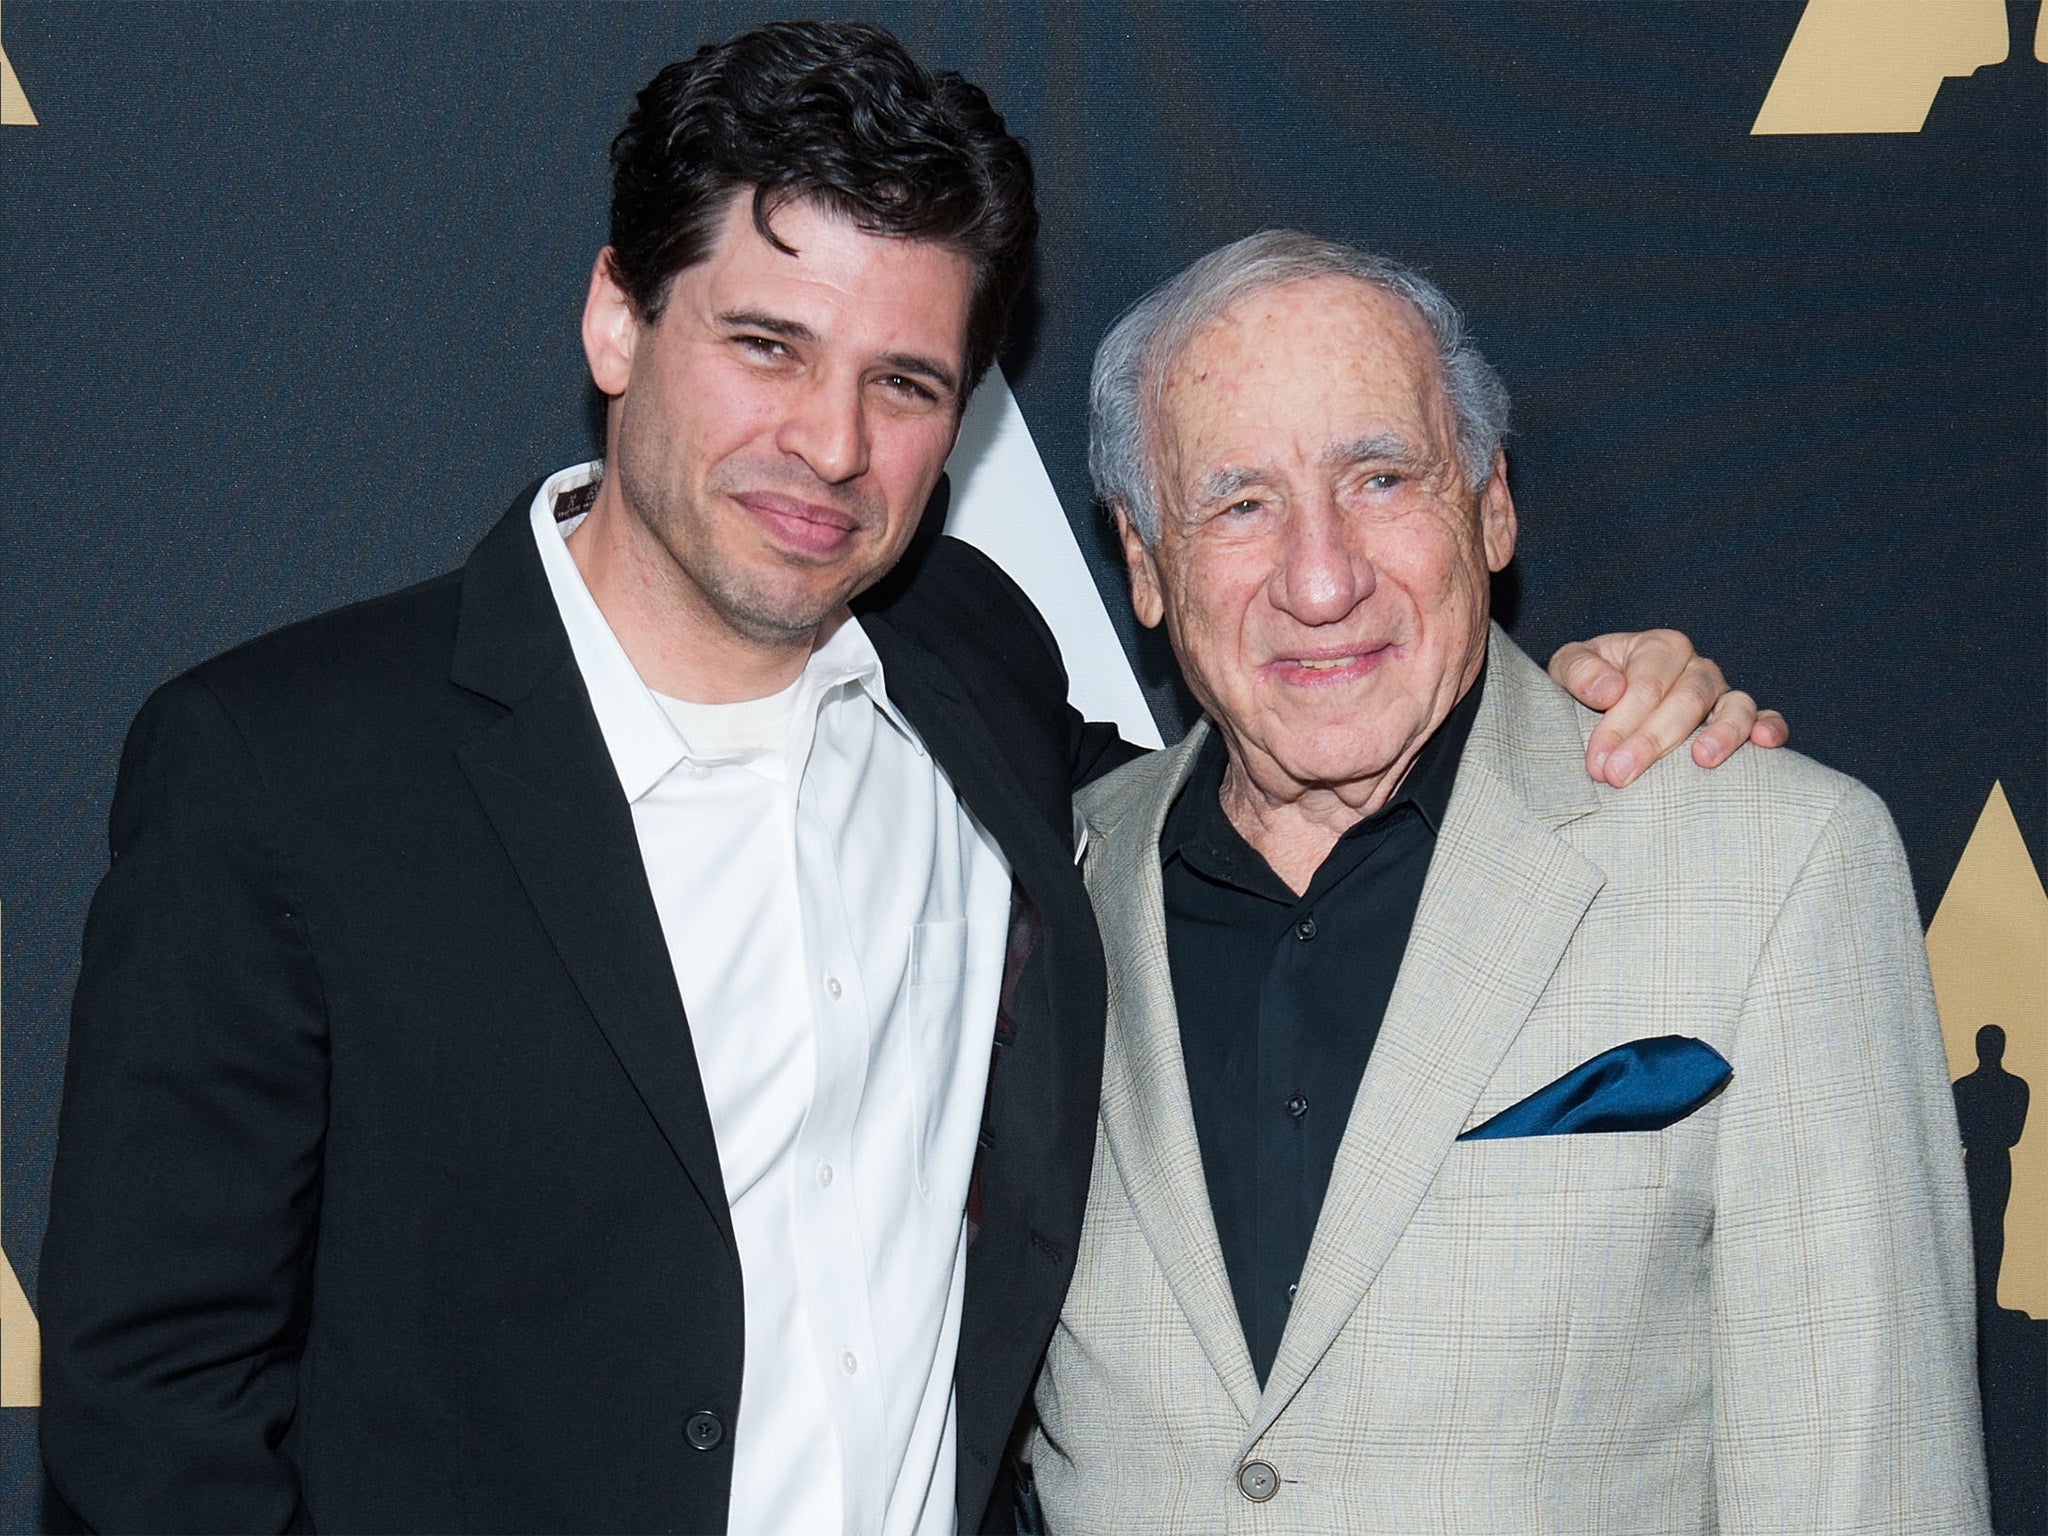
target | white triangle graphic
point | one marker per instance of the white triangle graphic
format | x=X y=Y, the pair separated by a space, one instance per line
x=1004 y=505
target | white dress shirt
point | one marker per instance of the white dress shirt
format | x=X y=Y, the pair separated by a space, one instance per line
x=837 y=923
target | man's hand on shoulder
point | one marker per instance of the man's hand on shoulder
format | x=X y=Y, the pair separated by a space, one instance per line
x=1655 y=690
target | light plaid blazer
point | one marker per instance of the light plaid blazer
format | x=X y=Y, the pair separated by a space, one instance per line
x=1758 y=1319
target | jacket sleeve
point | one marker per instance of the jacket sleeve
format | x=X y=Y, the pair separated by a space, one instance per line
x=1845 y=1394
x=1093 y=746
x=1097 y=748
x=184 y=1200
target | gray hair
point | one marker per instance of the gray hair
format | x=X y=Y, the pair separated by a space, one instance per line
x=1131 y=363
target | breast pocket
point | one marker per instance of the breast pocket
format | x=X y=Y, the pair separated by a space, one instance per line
x=1554 y=1166
x=956 y=974
x=1516 y=1233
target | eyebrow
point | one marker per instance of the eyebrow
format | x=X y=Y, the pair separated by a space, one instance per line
x=761 y=320
x=1373 y=446
x=795 y=330
x=1224 y=484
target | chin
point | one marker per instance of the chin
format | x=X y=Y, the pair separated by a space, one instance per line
x=775 y=612
x=1335 y=756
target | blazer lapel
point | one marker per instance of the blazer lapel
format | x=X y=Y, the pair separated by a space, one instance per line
x=963 y=741
x=966 y=744
x=1503 y=898
x=1146 y=1112
x=942 y=708
x=546 y=781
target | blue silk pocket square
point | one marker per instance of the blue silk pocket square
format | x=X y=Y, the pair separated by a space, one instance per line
x=1644 y=1085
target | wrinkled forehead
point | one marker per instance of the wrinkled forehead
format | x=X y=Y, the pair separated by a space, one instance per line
x=1328 y=353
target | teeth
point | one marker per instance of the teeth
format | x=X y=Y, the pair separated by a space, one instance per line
x=1323 y=666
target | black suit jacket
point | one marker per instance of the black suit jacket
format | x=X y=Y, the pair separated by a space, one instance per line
x=386 y=1196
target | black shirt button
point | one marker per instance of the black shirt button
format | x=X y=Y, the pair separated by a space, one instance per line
x=1305 y=929
x=704 y=1430
x=1297 y=1106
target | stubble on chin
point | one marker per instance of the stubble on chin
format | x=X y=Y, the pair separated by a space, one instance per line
x=704 y=577
x=762 y=617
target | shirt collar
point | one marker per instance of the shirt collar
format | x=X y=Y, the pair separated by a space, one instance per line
x=849 y=659
x=644 y=744
x=1430 y=778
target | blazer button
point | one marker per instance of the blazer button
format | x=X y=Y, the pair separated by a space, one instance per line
x=1257 y=1481
x=704 y=1430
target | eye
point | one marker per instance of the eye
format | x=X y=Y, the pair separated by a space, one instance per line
x=910 y=389
x=1385 y=480
x=765 y=347
x=1244 y=506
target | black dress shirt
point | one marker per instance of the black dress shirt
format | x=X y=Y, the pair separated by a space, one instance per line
x=1280 y=1000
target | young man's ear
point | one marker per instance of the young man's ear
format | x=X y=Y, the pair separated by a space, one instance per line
x=1147 y=599
x=610 y=328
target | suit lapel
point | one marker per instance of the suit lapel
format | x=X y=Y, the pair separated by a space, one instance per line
x=1031 y=1171
x=963 y=742
x=1504 y=896
x=1146 y=1113
x=546 y=781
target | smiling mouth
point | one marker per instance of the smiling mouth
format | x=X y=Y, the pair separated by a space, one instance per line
x=1313 y=670
x=804 y=527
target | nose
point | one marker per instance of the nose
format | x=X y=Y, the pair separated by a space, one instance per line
x=1322 y=575
x=827 y=428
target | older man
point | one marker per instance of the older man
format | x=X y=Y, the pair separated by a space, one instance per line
x=1424 y=1199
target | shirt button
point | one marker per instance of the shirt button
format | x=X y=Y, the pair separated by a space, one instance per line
x=832 y=988
x=704 y=1430
x=824 y=1175
x=1257 y=1481
x=1305 y=929
x=1292 y=1287
x=1297 y=1106
x=848 y=1364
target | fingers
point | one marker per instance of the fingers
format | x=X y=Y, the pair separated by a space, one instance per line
x=1668 y=692
x=1651 y=720
x=1728 y=727
x=1587 y=675
x=1656 y=692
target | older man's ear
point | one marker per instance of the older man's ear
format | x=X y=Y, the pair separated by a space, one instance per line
x=1147 y=600
x=1497 y=524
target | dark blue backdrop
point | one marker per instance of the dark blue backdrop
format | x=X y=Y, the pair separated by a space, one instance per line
x=288 y=300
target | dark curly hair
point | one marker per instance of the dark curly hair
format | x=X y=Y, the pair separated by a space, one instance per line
x=836 y=112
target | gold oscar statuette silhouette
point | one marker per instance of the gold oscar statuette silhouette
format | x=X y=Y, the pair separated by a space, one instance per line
x=1875 y=66
x=1988 y=949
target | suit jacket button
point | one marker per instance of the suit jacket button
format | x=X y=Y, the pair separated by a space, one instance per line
x=704 y=1430
x=1257 y=1481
